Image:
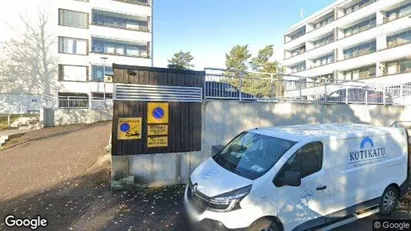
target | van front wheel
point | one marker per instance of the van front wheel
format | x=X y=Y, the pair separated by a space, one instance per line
x=389 y=200
x=264 y=224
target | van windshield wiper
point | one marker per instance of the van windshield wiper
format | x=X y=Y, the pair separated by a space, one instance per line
x=227 y=163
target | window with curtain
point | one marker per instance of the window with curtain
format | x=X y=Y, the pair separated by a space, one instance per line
x=73 y=46
x=73 y=19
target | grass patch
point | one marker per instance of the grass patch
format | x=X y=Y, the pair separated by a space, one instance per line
x=4 y=118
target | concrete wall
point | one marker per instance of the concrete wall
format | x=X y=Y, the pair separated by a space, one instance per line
x=222 y=120
x=81 y=116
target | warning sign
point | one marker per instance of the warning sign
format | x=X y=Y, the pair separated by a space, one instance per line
x=129 y=128
x=160 y=141
x=157 y=129
x=157 y=113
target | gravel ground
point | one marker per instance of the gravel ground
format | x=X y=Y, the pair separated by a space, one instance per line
x=63 y=174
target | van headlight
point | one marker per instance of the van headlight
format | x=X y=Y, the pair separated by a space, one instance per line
x=229 y=201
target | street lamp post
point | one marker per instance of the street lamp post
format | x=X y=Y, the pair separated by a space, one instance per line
x=104 y=80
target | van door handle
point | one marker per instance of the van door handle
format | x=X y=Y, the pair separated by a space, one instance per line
x=321 y=187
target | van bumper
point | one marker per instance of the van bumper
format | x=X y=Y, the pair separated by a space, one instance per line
x=209 y=224
x=205 y=220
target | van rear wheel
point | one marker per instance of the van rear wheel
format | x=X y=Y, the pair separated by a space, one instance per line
x=264 y=224
x=389 y=200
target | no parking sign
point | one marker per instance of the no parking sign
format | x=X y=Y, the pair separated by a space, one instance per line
x=129 y=128
x=157 y=113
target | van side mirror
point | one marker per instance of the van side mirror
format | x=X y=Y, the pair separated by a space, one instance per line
x=291 y=178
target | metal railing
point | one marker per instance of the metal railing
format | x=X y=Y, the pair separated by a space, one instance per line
x=83 y=103
x=221 y=84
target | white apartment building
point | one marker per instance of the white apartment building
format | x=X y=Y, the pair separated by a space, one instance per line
x=89 y=36
x=367 y=40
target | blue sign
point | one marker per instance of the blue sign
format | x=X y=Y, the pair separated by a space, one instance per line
x=158 y=113
x=124 y=127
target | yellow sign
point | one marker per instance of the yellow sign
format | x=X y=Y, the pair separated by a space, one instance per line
x=157 y=129
x=129 y=128
x=157 y=113
x=160 y=141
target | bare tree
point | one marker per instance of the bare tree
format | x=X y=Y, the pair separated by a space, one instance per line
x=28 y=63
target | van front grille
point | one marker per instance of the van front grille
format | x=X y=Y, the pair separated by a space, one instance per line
x=199 y=201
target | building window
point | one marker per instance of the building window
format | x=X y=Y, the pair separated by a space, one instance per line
x=298 y=67
x=358 y=6
x=73 y=19
x=300 y=32
x=323 y=22
x=109 y=19
x=324 y=41
x=328 y=78
x=97 y=72
x=73 y=73
x=324 y=60
x=362 y=26
x=399 y=39
x=399 y=12
x=137 y=2
x=360 y=73
x=73 y=46
x=118 y=48
x=362 y=49
x=297 y=51
x=398 y=67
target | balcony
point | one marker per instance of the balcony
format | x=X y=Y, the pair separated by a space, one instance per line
x=135 y=2
x=359 y=30
x=358 y=6
x=120 y=48
x=400 y=12
x=119 y=21
x=393 y=18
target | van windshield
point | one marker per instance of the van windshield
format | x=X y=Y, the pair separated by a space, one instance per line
x=251 y=155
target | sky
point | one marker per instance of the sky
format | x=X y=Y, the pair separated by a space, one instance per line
x=210 y=28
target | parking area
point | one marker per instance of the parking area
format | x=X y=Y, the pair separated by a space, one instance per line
x=63 y=174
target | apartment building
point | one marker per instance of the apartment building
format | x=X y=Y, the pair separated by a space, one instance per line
x=89 y=36
x=93 y=34
x=367 y=40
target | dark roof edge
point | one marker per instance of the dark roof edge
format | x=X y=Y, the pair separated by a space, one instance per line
x=158 y=69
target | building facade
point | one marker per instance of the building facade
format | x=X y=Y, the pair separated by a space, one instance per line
x=94 y=34
x=367 y=40
x=89 y=36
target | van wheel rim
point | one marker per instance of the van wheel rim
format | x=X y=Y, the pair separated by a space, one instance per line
x=389 y=200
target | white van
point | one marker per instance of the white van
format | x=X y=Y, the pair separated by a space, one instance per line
x=299 y=177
